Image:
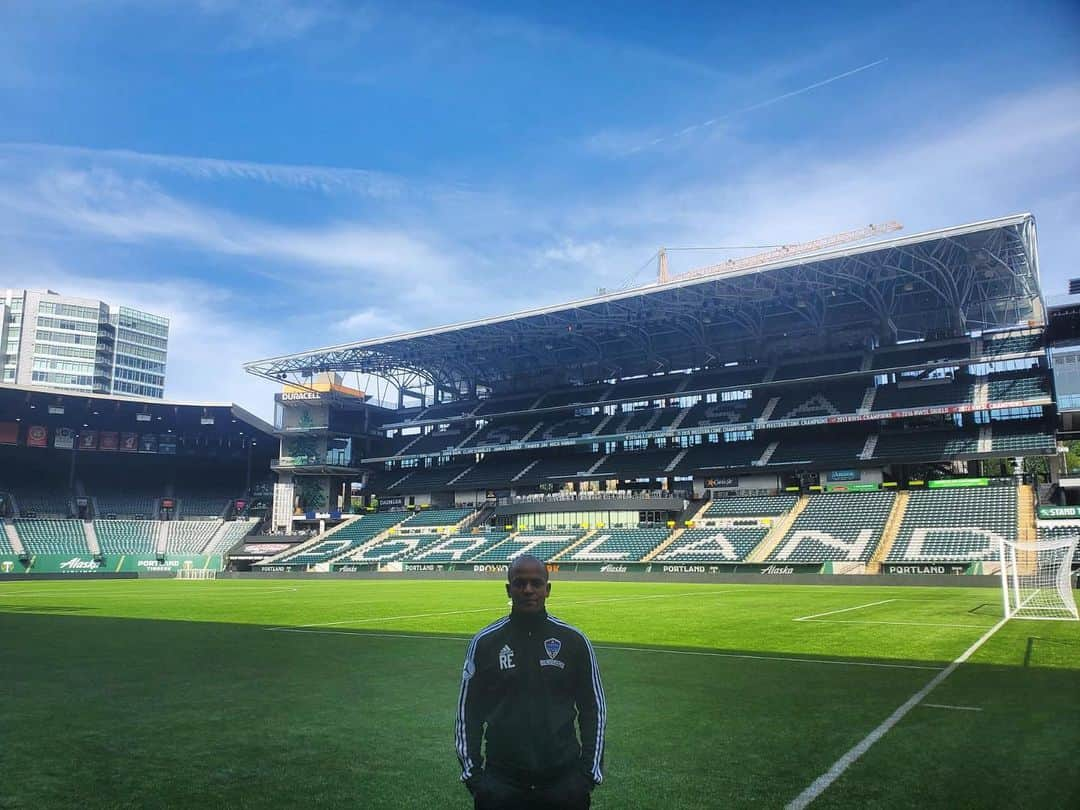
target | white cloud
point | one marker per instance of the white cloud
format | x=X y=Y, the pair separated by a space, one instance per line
x=105 y=205
x=325 y=179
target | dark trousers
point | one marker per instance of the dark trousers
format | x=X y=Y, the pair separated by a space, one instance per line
x=499 y=792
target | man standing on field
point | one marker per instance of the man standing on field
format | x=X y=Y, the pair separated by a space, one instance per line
x=526 y=678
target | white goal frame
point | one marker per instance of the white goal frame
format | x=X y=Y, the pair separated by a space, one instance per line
x=196 y=573
x=1036 y=579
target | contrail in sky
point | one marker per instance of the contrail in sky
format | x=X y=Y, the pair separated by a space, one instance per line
x=757 y=106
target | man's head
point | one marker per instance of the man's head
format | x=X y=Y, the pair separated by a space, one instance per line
x=527 y=584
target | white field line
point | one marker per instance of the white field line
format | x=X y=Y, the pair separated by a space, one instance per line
x=703 y=653
x=819 y=785
x=905 y=624
x=502 y=608
x=954 y=708
x=842 y=610
x=178 y=594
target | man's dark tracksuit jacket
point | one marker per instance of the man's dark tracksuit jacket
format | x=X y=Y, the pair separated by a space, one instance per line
x=523 y=677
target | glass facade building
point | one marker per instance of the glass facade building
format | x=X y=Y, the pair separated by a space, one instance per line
x=50 y=340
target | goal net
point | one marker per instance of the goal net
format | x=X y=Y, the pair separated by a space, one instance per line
x=1036 y=579
x=196 y=573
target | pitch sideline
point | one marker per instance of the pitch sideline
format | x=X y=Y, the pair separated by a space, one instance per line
x=821 y=784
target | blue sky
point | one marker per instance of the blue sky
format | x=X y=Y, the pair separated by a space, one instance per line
x=276 y=175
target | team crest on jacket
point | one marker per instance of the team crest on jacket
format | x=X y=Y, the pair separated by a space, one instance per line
x=552 y=645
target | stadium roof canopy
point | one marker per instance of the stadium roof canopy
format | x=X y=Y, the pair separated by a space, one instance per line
x=110 y=412
x=949 y=282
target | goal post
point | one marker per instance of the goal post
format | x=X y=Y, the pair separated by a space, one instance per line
x=187 y=572
x=1036 y=579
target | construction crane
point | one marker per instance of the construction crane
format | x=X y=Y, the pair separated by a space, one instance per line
x=782 y=252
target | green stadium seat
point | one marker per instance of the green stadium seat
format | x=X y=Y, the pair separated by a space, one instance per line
x=189 y=536
x=751 y=506
x=725 y=544
x=126 y=536
x=955 y=525
x=841 y=526
x=457 y=547
x=626 y=545
x=541 y=544
x=50 y=536
x=350 y=536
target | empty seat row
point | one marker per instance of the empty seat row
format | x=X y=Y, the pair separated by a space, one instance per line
x=746 y=505
x=956 y=524
x=836 y=526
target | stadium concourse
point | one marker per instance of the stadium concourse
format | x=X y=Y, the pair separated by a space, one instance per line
x=888 y=408
x=93 y=484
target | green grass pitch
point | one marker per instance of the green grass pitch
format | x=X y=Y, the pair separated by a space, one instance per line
x=304 y=693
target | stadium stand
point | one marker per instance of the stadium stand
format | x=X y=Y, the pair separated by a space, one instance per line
x=204 y=505
x=1022 y=439
x=627 y=545
x=1012 y=344
x=504 y=432
x=437 y=517
x=5 y=544
x=914 y=354
x=720 y=455
x=842 y=364
x=541 y=544
x=459 y=548
x=422 y=479
x=491 y=472
x=727 y=377
x=1066 y=528
x=836 y=526
x=647 y=387
x=447 y=410
x=729 y=412
x=233 y=532
x=349 y=536
x=433 y=442
x=47 y=536
x=575 y=395
x=926 y=445
x=630 y=466
x=557 y=467
x=555 y=428
x=826 y=451
x=727 y=544
x=819 y=400
x=126 y=536
x=1018 y=385
x=924 y=394
x=955 y=525
x=390 y=548
x=190 y=536
x=751 y=506
x=507 y=404
x=42 y=503
x=127 y=505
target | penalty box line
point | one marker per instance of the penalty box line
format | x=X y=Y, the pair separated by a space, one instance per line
x=619 y=648
x=842 y=610
x=821 y=784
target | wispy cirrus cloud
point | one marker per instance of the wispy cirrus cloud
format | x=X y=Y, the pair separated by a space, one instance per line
x=104 y=204
x=325 y=179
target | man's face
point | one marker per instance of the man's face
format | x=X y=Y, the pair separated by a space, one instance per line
x=528 y=587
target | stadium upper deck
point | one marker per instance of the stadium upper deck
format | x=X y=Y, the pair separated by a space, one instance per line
x=946 y=283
